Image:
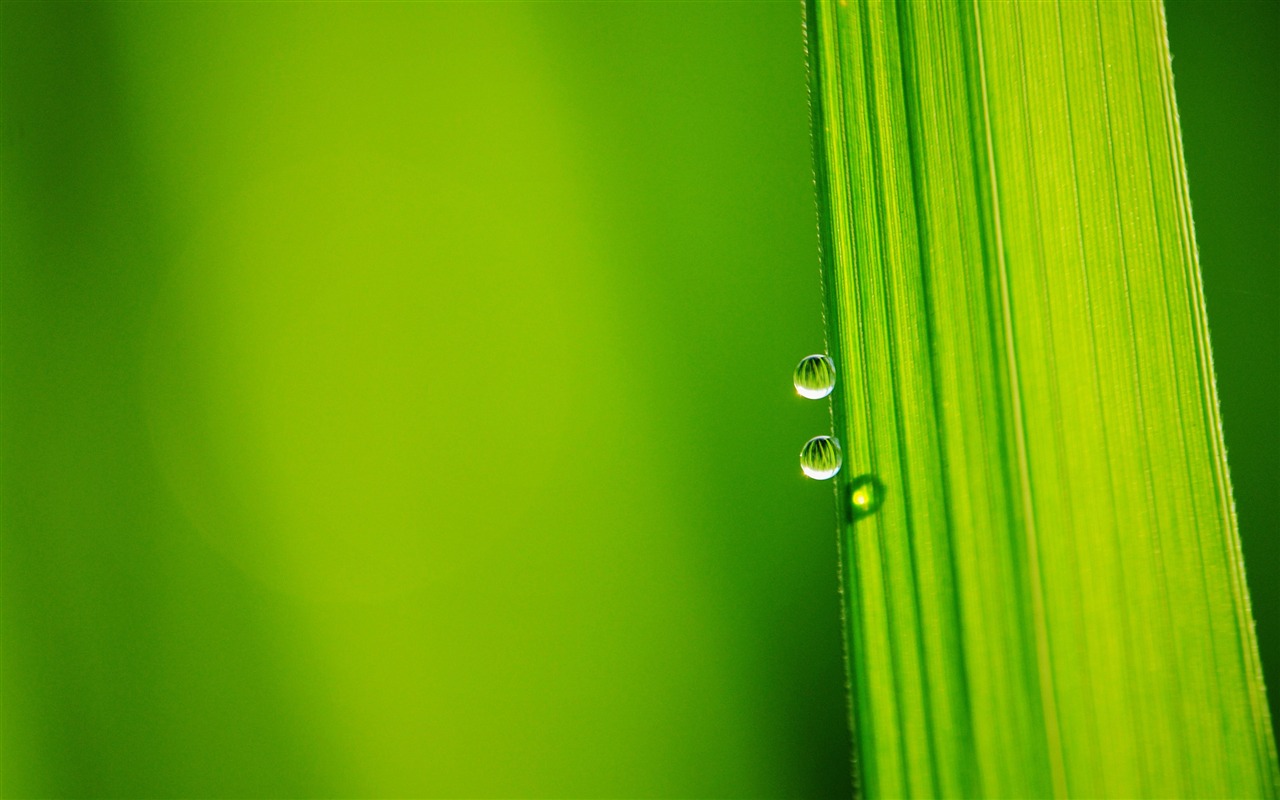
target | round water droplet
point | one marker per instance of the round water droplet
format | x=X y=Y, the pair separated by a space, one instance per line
x=820 y=457
x=815 y=377
x=866 y=495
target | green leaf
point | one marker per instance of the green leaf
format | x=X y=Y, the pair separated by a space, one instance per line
x=1051 y=599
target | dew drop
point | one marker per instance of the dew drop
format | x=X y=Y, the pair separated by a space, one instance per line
x=866 y=495
x=820 y=457
x=815 y=377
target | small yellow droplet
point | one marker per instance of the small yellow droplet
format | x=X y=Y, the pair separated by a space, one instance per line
x=866 y=495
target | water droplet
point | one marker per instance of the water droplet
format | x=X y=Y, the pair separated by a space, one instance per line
x=866 y=495
x=815 y=377
x=820 y=457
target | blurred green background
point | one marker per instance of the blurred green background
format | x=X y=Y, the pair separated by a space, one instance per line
x=1226 y=69
x=396 y=396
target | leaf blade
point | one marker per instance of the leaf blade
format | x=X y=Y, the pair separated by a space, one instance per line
x=1056 y=603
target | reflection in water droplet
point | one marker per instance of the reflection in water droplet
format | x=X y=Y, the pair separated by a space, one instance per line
x=820 y=457
x=815 y=377
x=866 y=495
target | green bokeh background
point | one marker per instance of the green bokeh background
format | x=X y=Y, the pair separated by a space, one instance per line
x=1226 y=69
x=396 y=396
